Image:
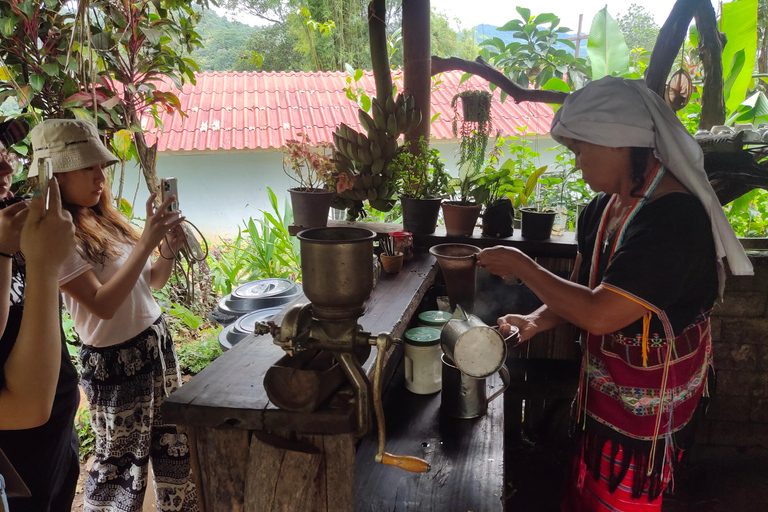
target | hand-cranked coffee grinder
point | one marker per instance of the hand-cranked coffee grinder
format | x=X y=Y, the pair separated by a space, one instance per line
x=337 y=276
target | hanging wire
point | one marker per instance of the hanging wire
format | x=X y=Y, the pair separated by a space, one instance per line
x=185 y=257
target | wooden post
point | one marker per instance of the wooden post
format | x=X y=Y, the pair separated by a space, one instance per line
x=417 y=64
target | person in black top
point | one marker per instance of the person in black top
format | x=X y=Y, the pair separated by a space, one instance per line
x=648 y=272
x=38 y=383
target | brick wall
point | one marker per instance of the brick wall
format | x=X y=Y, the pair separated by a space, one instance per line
x=738 y=415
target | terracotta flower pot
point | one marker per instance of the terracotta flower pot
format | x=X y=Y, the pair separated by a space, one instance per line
x=392 y=264
x=311 y=206
x=460 y=219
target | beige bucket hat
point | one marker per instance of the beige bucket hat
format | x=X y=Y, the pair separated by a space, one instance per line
x=70 y=144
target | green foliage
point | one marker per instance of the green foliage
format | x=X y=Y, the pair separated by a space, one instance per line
x=421 y=176
x=511 y=171
x=224 y=44
x=535 y=55
x=263 y=248
x=73 y=338
x=85 y=433
x=748 y=215
x=753 y=110
x=195 y=355
x=639 y=28
x=447 y=42
x=739 y=24
x=565 y=186
x=608 y=52
x=277 y=48
x=100 y=62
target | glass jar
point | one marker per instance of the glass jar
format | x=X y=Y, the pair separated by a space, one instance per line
x=404 y=243
x=423 y=371
x=561 y=219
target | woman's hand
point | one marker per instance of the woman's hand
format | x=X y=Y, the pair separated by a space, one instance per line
x=173 y=241
x=11 y=222
x=48 y=236
x=500 y=261
x=525 y=323
x=159 y=222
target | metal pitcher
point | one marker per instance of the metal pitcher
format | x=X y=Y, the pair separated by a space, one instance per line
x=464 y=396
x=475 y=348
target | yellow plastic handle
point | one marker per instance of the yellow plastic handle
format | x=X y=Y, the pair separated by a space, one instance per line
x=406 y=462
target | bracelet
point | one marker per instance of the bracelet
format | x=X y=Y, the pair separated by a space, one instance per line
x=4 y=255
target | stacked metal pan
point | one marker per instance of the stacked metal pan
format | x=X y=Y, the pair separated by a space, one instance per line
x=252 y=302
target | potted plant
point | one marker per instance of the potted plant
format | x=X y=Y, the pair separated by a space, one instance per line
x=460 y=213
x=564 y=188
x=314 y=171
x=422 y=182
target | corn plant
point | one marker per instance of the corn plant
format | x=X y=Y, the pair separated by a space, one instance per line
x=263 y=248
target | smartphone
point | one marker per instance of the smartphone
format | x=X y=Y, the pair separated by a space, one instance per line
x=45 y=172
x=168 y=188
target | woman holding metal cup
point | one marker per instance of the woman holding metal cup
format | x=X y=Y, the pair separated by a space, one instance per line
x=650 y=267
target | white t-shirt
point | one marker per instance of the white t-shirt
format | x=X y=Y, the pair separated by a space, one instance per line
x=136 y=313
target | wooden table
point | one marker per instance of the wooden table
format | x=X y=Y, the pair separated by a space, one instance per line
x=467 y=457
x=246 y=452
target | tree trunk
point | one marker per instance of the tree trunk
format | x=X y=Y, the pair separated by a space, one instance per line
x=148 y=163
x=711 y=43
x=377 y=27
x=416 y=63
x=669 y=42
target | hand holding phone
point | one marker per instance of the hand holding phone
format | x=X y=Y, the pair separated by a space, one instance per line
x=45 y=172
x=168 y=188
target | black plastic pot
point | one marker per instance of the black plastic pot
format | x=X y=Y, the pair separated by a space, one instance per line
x=537 y=225
x=420 y=215
x=497 y=219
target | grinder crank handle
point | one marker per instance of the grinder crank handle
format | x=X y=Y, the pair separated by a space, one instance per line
x=406 y=462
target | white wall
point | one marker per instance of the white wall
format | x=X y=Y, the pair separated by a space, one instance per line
x=218 y=190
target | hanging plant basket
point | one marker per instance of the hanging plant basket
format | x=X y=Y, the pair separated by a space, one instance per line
x=476 y=107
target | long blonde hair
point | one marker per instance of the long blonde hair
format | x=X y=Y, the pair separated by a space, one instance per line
x=101 y=228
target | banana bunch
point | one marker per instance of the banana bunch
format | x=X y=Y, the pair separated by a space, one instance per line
x=396 y=116
x=365 y=159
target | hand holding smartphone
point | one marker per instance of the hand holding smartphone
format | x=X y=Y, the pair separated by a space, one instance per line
x=45 y=172
x=168 y=188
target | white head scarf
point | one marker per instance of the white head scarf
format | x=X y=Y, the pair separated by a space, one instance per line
x=616 y=112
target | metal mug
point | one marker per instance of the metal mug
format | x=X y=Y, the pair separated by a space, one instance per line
x=475 y=348
x=464 y=396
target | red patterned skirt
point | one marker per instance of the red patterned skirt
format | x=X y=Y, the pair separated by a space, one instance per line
x=585 y=493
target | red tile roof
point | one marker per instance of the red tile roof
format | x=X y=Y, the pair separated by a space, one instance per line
x=262 y=110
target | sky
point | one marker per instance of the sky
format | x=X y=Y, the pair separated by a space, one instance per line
x=497 y=12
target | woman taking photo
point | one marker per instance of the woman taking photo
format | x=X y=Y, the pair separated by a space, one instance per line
x=38 y=383
x=128 y=359
x=649 y=270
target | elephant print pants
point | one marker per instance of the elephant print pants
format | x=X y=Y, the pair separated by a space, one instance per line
x=125 y=385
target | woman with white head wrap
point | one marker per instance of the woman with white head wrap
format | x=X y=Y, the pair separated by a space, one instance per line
x=648 y=272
